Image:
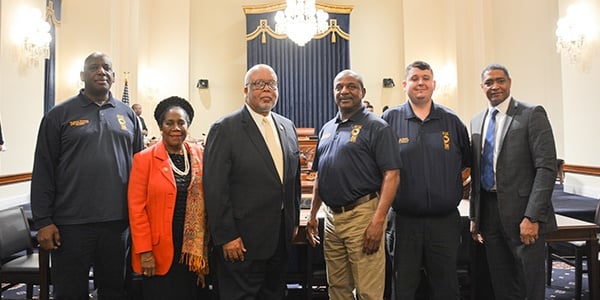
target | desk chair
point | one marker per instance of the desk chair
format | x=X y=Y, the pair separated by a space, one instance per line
x=19 y=262
x=572 y=253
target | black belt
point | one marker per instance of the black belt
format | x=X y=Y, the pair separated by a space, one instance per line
x=351 y=206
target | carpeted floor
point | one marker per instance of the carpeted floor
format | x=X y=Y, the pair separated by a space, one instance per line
x=562 y=287
x=563 y=283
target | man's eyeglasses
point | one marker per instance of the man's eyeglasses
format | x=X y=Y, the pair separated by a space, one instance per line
x=260 y=85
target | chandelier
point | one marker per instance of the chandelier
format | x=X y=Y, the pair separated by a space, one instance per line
x=301 y=21
x=573 y=31
x=35 y=33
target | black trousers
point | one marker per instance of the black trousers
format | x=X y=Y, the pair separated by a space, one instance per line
x=101 y=245
x=252 y=278
x=430 y=243
x=516 y=270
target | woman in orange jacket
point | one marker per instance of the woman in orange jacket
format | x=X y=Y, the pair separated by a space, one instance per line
x=166 y=209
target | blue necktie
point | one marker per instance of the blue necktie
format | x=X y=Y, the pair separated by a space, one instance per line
x=487 y=159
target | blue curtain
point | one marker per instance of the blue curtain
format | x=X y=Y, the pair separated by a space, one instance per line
x=50 y=63
x=305 y=73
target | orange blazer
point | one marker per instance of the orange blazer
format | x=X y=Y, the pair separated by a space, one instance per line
x=151 y=198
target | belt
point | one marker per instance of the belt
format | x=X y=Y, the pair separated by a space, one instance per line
x=353 y=205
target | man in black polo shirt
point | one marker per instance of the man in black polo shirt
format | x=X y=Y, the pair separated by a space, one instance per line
x=434 y=146
x=79 y=185
x=358 y=174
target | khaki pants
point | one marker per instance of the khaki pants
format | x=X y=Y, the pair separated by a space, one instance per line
x=348 y=267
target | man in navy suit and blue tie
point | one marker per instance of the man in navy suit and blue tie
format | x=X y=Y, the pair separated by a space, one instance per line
x=514 y=169
x=252 y=191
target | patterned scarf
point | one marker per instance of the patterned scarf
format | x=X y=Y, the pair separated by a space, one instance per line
x=194 y=251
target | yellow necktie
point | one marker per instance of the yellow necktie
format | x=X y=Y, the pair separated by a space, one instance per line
x=274 y=146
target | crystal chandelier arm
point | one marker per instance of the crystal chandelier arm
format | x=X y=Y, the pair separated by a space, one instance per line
x=574 y=31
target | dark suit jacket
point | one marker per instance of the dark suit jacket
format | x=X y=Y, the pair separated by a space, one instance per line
x=143 y=123
x=242 y=189
x=525 y=168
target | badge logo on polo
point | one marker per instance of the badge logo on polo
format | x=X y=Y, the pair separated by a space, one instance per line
x=446 y=138
x=403 y=140
x=122 y=122
x=354 y=133
x=76 y=123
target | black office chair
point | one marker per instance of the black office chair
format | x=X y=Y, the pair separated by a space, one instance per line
x=571 y=253
x=19 y=263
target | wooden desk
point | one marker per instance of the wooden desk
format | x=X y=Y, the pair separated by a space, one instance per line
x=307 y=186
x=570 y=229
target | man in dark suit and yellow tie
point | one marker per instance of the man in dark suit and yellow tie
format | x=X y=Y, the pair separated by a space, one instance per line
x=514 y=169
x=252 y=192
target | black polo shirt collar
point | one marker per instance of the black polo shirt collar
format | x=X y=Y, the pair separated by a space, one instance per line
x=434 y=113
x=85 y=100
x=356 y=117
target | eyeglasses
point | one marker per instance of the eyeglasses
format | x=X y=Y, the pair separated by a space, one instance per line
x=260 y=85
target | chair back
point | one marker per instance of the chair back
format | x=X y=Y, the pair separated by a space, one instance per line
x=597 y=215
x=14 y=232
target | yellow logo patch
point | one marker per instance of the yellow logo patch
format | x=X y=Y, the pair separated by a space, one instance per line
x=78 y=123
x=446 y=138
x=403 y=140
x=354 y=133
x=122 y=121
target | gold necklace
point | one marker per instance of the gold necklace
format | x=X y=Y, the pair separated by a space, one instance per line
x=186 y=163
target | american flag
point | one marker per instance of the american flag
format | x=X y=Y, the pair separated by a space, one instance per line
x=125 y=98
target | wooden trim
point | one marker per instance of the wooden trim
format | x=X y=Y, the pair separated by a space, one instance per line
x=585 y=170
x=15 y=178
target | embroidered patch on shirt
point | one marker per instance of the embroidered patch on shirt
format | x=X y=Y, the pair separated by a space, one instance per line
x=355 y=132
x=446 y=138
x=122 y=121
x=78 y=123
x=403 y=140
